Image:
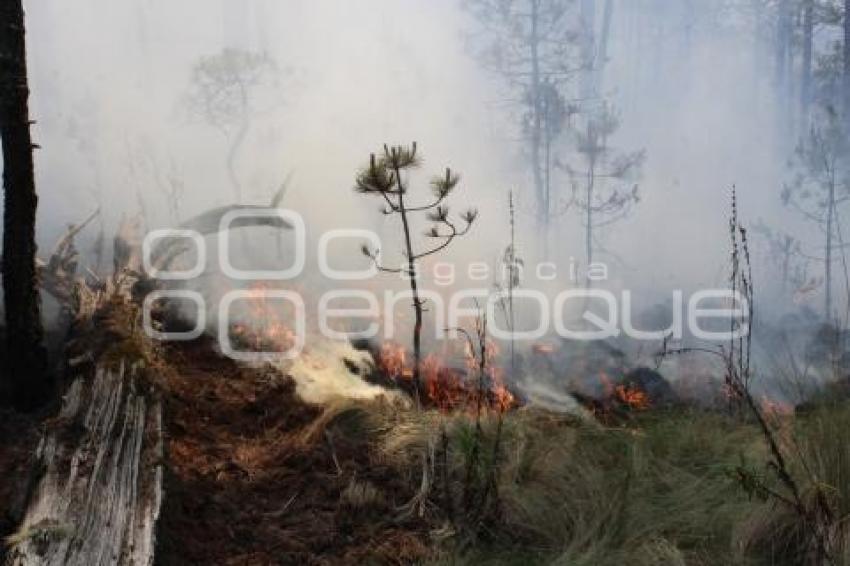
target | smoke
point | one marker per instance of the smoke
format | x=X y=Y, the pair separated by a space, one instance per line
x=692 y=84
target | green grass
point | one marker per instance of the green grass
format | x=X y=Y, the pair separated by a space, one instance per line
x=659 y=492
x=662 y=491
x=667 y=489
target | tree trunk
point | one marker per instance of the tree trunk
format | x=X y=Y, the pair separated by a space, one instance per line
x=830 y=215
x=806 y=78
x=783 y=37
x=607 y=15
x=846 y=55
x=783 y=56
x=24 y=334
x=537 y=118
x=97 y=493
x=591 y=181
x=588 y=49
x=547 y=169
x=414 y=290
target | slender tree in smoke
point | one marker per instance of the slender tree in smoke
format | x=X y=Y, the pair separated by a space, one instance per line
x=602 y=49
x=557 y=116
x=587 y=43
x=532 y=45
x=786 y=255
x=224 y=92
x=820 y=187
x=383 y=177
x=511 y=275
x=602 y=177
x=845 y=52
x=784 y=60
x=806 y=67
x=24 y=334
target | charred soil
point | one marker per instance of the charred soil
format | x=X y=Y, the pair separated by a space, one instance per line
x=248 y=484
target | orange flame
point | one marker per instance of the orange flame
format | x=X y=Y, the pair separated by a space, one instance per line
x=393 y=361
x=266 y=330
x=630 y=396
x=633 y=397
x=449 y=389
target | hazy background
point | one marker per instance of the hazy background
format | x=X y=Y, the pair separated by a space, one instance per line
x=110 y=82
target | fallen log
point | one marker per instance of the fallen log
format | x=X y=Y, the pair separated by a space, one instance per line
x=100 y=467
x=97 y=482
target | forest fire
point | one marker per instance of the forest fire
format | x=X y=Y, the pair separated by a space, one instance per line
x=632 y=397
x=627 y=396
x=393 y=361
x=447 y=388
x=262 y=328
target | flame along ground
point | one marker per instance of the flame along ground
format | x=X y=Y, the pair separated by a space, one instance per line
x=450 y=376
x=449 y=388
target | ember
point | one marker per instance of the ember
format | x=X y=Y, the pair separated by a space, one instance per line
x=447 y=388
x=393 y=361
x=616 y=397
x=632 y=397
x=264 y=329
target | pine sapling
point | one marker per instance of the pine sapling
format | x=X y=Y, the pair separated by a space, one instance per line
x=383 y=177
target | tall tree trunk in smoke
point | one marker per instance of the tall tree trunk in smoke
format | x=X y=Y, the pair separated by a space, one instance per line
x=806 y=78
x=783 y=57
x=845 y=95
x=24 y=333
x=537 y=118
x=591 y=185
x=607 y=15
x=547 y=189
x=588 y=49
x=532 y=45
x=830 y=226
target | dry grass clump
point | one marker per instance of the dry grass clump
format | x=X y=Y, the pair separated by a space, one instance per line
x=571 y=492
x=820 y=445
x=362 y=495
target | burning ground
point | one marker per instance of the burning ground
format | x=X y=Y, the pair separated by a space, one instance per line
x=562 y=452
x=255 y=474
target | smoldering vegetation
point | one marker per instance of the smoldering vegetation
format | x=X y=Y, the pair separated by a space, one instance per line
x=497 y=170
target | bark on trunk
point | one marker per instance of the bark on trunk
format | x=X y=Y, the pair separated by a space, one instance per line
x=27 y=368
x=414 y=290
x=99 y=491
